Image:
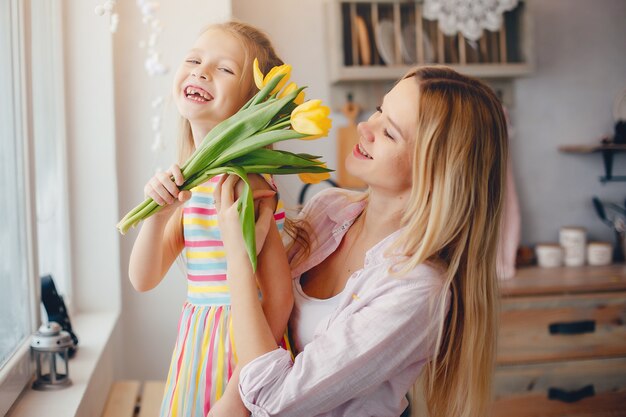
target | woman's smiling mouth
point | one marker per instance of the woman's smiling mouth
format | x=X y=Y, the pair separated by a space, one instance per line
x=360 y=152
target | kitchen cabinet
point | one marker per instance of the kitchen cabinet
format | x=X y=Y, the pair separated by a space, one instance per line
x=562 y=343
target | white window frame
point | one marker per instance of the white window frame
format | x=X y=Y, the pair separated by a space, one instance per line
x=18 y=370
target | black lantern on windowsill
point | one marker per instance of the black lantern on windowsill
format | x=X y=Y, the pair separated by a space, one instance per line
x=50 y=349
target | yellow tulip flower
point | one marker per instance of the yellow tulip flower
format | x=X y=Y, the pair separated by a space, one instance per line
x=261 y=81
x=311 y=118
x=314 y=178
x=291 y=88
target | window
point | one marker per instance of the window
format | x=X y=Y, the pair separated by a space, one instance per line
x=34 y=235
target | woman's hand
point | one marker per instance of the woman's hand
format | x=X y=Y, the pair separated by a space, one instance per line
x=228 y=216
x=165 y=192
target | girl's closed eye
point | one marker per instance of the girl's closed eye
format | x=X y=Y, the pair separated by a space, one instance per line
x=193 y=61
x=227 y=70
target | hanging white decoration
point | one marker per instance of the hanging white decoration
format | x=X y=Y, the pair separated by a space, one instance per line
x=108 y=8
x=153 y=64
x=470 y=17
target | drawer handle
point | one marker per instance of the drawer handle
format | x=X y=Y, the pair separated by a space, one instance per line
x=571 y=396
x=575 y=327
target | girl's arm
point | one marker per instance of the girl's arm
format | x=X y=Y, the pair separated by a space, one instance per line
x=160 y=238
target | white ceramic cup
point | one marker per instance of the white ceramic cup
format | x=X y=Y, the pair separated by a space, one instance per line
x=599 y=253
x=574 y=243
x=549 y=255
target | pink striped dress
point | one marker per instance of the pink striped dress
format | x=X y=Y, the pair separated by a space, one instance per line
x=204 y=357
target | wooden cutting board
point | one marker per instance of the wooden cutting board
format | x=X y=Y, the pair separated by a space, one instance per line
x=347 y=138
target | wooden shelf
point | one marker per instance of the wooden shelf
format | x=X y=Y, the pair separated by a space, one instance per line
x=607 y=151
x=372 y=43
x=592 y=148
x=542 y=281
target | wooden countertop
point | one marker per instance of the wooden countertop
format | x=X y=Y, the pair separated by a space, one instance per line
x=564 y=280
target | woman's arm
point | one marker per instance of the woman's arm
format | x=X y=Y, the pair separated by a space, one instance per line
x=273 y=273
x=389 y=333
x=252 y=331
x=277 y=298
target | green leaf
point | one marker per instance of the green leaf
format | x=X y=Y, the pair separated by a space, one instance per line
x=284 y=170
x=245 y=207
x=257 y=141
x=264 y=156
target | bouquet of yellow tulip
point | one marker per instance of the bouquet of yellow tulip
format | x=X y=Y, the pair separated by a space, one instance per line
x=238 y=146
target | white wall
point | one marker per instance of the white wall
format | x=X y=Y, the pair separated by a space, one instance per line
x=580 y=63
x=580 y=67
x=90 y=125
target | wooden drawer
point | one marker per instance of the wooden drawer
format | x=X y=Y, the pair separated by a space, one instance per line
x=556 y=328
x=572 y=388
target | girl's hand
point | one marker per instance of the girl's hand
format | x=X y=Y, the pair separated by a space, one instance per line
x=228 y=216
x=165 y=192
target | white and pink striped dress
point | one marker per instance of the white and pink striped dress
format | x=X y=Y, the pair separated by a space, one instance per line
x=204 y=357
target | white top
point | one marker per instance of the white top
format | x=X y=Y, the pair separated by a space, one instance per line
x=308 y=314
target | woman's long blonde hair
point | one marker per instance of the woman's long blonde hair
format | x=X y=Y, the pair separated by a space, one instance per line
x=452 y=218
x=255 y=44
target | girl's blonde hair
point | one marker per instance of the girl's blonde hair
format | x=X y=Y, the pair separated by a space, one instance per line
x=255 y=44
x=452 y=217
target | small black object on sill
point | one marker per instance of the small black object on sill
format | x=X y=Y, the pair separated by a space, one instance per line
x=55 y=308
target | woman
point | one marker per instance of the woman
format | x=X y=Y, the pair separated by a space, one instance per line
x=391 y=281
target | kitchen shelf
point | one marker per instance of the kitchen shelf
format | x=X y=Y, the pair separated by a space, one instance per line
x=607 y=151
x=372 y=43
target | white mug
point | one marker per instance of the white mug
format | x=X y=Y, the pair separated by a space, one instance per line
x=549 y=255
x=574 y=243
x=599 y=253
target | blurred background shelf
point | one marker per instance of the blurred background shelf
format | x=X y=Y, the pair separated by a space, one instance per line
x=372 y=43
x=608 y=151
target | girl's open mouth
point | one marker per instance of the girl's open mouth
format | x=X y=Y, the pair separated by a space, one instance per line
x=197 y=94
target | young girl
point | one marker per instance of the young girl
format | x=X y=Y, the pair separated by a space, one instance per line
x=213 y=82
x=395 y=281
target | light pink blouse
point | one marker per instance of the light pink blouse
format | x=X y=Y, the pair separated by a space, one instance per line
x=364 y=361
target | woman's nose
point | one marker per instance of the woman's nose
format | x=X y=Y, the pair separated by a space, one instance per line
x=365 y=131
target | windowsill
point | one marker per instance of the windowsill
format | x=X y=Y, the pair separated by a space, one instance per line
x=91 y=372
